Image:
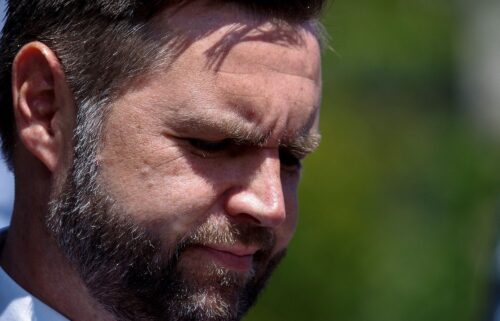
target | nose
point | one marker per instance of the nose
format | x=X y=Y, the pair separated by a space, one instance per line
x=259 y=191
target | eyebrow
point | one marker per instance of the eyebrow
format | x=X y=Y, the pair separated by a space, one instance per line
x=301 y=143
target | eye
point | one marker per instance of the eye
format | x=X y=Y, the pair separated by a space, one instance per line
x=289 y=161
x=207 y=146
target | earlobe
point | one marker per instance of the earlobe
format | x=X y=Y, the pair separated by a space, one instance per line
x=39 y=101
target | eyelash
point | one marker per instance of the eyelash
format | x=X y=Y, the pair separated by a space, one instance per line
x=208 y=146
x=288 y=160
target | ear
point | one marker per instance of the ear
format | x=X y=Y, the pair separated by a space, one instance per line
x=43 y=104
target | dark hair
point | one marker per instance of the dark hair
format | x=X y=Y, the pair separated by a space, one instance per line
x=101 y=43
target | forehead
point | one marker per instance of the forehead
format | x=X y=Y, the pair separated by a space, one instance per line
x=212 y=32
x=227 y=65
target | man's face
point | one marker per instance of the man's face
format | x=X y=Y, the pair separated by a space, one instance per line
x=198 y=168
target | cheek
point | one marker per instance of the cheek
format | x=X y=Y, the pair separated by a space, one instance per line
x=157 y=186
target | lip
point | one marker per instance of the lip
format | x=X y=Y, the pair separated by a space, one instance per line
x=239 y=258
x=237 y=250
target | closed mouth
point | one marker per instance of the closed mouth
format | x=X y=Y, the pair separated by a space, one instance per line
x=239 y=258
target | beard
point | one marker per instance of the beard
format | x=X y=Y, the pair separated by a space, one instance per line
x=134 y=275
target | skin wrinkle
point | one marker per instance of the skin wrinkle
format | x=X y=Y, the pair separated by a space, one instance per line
x=278 y=80
x=137 y=157
x=303 y=103
x=139 y=202
x=232 y=128
x=270 y=68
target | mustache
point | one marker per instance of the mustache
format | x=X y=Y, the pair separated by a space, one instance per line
x=217 y=231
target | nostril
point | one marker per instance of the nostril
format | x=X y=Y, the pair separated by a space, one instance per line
x=259 y=194
x=265 y=209
x=247 y=218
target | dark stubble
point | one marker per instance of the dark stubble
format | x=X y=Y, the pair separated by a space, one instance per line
x=127 y=268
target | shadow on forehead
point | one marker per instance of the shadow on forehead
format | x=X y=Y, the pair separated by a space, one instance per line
x=279 y=34
x=241 y=26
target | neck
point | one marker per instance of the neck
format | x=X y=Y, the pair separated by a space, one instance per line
x=32 y=258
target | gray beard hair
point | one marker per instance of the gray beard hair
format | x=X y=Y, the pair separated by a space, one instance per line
x=124 y=265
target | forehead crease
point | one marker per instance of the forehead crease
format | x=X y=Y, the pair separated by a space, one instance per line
x=301 y=60
x=278 y=73
x=290 y=93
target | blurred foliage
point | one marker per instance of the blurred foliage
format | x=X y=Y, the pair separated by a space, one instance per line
x=399 y=206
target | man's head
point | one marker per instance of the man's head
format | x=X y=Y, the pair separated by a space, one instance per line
x=172 y=133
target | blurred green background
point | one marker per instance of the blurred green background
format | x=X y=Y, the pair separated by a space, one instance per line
x=400 y=205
